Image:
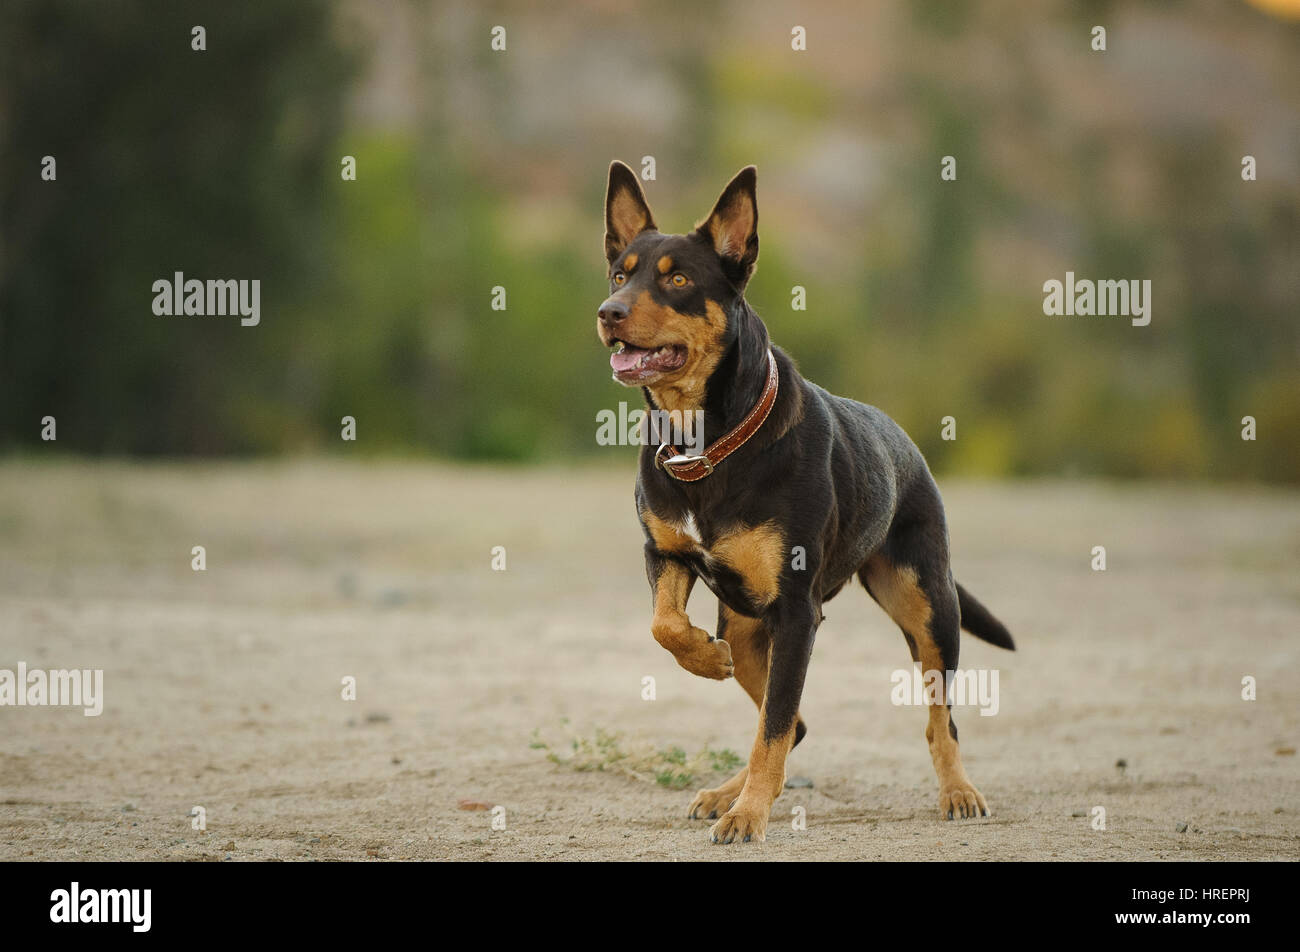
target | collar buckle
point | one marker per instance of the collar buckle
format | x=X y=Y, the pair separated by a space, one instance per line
x=680 y=460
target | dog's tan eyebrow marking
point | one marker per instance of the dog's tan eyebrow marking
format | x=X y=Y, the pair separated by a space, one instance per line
x=665 y=264
x=630 y=262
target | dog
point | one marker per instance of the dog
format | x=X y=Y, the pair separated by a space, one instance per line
x=797 y=492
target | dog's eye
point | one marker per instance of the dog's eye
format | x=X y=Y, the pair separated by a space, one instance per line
x=619 y=278
x=680 y=280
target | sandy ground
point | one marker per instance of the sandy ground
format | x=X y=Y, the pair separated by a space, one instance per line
x=223 y=687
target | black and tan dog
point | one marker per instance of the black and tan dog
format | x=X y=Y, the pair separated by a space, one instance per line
x=798 y=491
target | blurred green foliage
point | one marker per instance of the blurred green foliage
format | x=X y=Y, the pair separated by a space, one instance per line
x=376 y=293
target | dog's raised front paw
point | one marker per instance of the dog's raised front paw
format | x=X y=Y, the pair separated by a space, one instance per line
x=709 y=659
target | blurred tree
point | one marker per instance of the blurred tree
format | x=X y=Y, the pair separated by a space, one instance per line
x=168 y=159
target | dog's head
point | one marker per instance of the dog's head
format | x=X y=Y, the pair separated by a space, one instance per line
x=674 y=300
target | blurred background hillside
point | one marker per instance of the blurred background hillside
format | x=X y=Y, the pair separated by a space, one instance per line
x=478 y=168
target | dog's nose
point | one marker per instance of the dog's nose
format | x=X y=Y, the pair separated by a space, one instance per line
x=611 y=312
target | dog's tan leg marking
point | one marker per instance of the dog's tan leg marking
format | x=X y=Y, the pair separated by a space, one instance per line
x=751 y=647
x=750 y=650
x=748 y=816
x=694 y=648
x=898 y=592
x=752 y=791
x=957 y=795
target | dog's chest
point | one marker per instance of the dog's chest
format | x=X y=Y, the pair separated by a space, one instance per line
x=739 y=561
x=686 y=533
x=691 y=529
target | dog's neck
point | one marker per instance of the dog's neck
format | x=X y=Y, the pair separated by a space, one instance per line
x=736 y=384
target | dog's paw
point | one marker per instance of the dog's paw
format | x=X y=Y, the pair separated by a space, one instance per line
x=710 y=659
x=743 y=822
x=709 y=803
x=962 y=801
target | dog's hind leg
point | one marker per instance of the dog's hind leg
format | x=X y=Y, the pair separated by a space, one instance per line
x=923 y=602
x=751 y=645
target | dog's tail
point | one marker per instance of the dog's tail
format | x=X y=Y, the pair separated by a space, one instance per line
x=979 y=621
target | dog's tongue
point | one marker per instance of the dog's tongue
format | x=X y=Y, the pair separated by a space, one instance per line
x=627 y=359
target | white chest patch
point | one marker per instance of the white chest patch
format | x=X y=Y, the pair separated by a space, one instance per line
x=691 y=529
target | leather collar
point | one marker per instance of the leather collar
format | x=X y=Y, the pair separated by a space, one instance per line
x=690 y=469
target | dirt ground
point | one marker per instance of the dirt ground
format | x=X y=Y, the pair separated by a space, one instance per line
x=223 y=687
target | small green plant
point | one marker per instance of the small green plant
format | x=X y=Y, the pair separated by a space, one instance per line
x=725 y=759
x=607 y=752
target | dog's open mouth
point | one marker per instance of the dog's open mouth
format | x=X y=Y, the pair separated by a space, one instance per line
x=632 y=364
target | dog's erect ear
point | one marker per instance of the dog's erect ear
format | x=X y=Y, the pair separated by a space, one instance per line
x=732 y=228
x=626 y=212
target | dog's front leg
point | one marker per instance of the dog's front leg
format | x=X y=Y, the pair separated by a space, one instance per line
x=794 y=626
x=694 y=648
